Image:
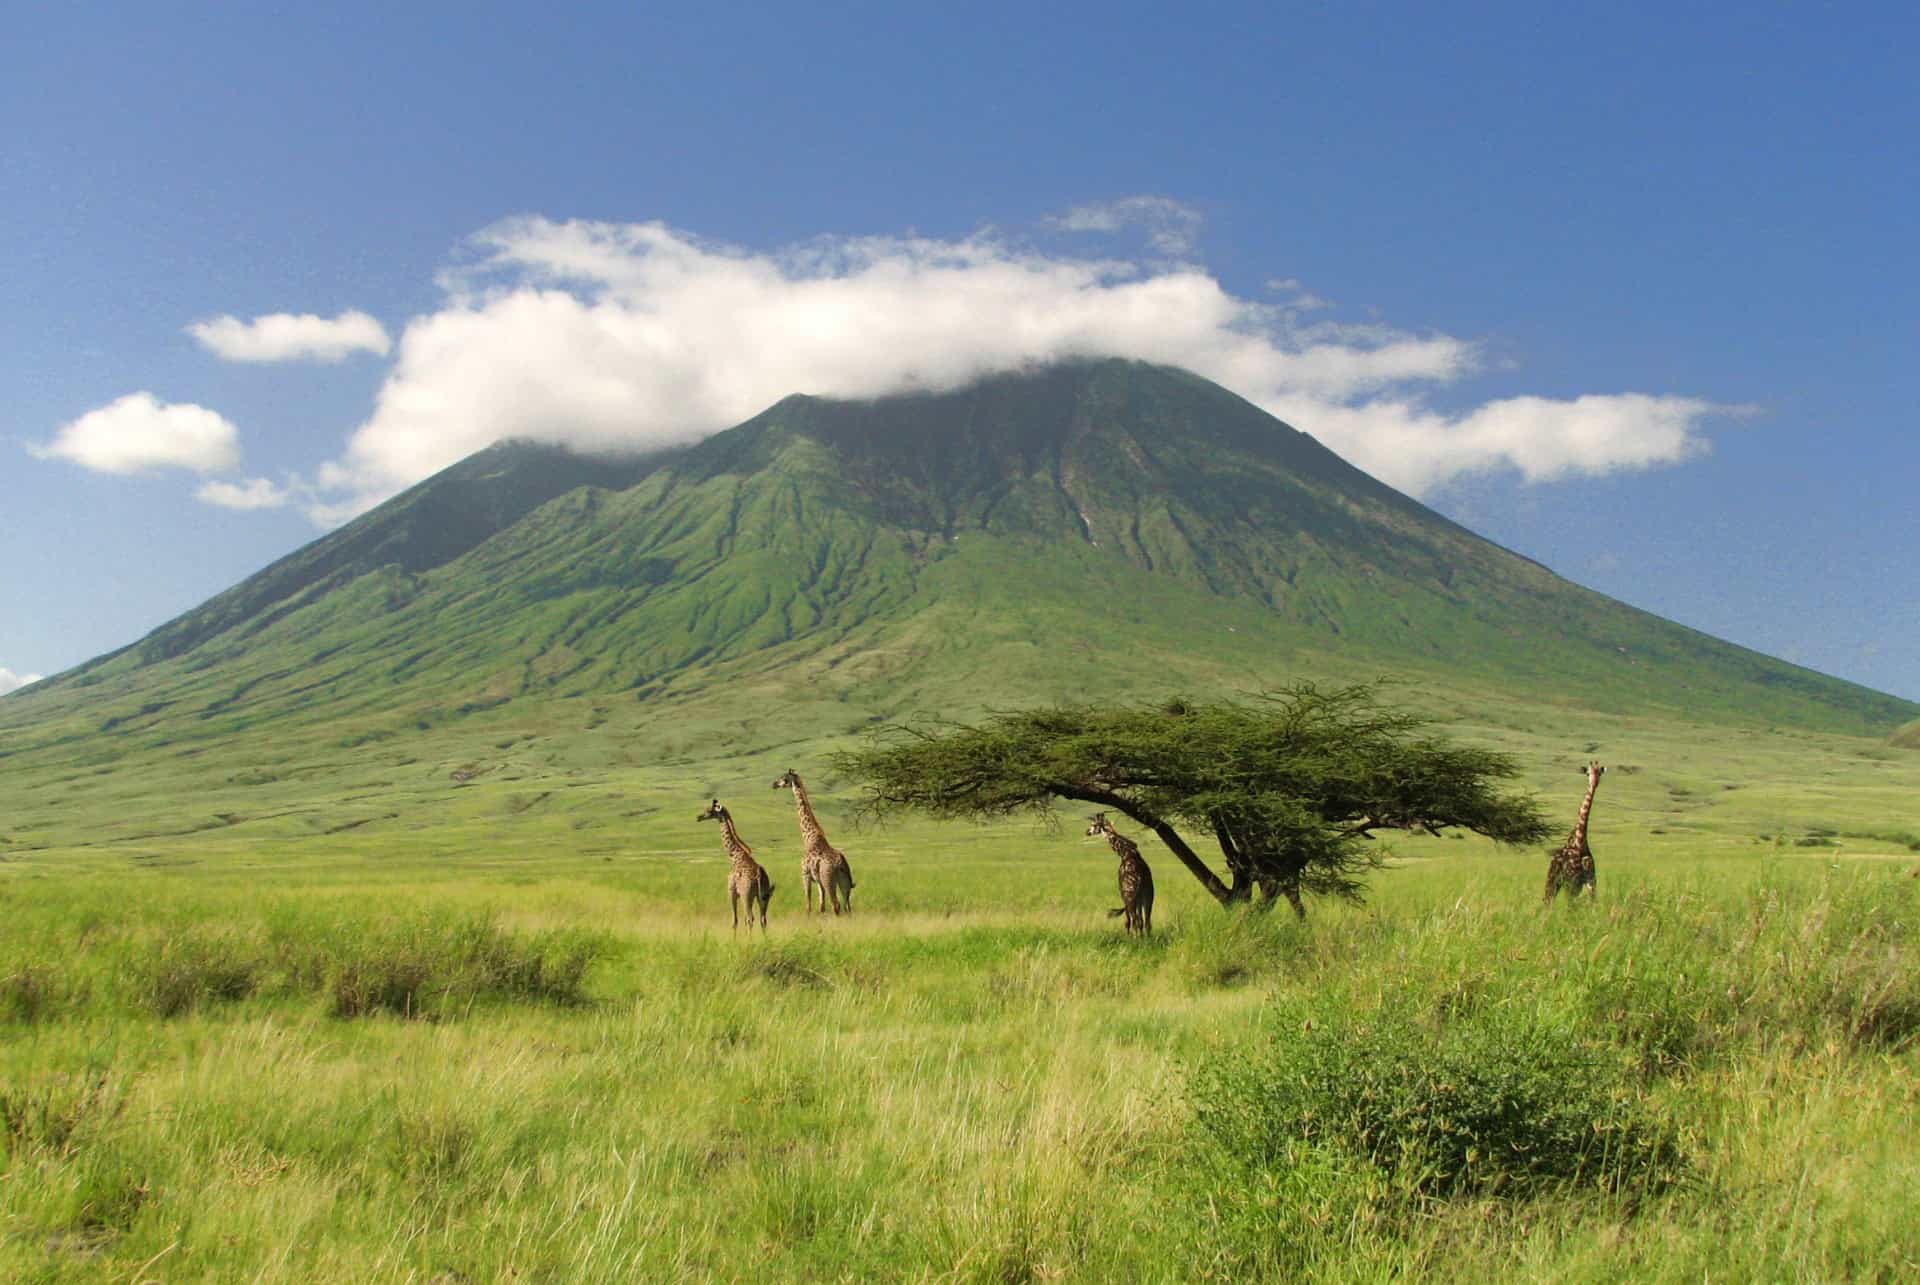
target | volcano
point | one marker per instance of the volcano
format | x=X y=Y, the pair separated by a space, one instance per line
x=1085 y=531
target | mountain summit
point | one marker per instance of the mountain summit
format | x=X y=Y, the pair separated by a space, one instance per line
x=1084 y=530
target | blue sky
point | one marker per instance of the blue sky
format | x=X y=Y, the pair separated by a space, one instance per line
x=1630 y=289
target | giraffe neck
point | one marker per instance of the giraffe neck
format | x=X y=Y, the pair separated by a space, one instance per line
x=1578 y=839
x=810 y=831
x=1121 y=844
x=736 y=846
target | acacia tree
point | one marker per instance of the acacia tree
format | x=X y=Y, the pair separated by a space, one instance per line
x=1291 y=786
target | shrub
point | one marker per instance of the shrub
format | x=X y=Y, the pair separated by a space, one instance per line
x=1246 y=947
x=1667 y=1018
x=60 y=1115
x=797 y=963
x=32 y=993
x=421 y=967
x=1488 y=1102
x=416 y=966
x=191 y=968
x=429 y=1144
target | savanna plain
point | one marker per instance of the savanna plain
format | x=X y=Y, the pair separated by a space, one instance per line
x=480 y=1016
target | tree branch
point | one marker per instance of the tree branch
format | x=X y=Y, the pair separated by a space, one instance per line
x=1198 y=868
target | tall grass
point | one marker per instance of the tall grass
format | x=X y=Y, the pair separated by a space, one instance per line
x=421 y=964
x=1706 y=1072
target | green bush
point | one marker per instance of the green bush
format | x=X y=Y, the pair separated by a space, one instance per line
x=417 y=966
x=191 y=968
x=60 y=1115
x=1488 y=1102
x=426 y=965
x=1248 y=946
x=805 y=963
x=33 y=993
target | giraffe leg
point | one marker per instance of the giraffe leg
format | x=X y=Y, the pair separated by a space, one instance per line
x=734 y=897
x=1560 y=879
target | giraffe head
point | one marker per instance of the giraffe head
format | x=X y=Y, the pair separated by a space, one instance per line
x=714 y=812
x=788 y=780
x=1594 y=771
x=1097 y=825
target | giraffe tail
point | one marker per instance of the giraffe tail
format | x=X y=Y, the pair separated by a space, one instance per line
x=1117 y=912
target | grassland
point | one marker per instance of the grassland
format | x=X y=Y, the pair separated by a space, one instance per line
x=495 y=1027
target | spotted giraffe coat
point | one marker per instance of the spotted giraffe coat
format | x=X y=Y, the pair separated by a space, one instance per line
x=1571 y=868
x=1136 y=879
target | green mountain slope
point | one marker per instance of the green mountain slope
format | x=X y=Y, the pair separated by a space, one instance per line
x=1087 y=530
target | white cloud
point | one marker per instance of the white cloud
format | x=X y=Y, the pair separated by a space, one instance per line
x=1172 y=228
x=254 y=493
x=140 y=433
x=1545 y=440
x=283 y=336
x=1300 y=299
x=10 y=681
x=634 y=336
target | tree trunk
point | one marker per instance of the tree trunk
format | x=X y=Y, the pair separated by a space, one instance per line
x=1243 y=880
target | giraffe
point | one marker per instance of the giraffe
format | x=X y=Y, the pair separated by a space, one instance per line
x=1136 y=880
x=822 y=865
x=747 y=877
x=1572 y=864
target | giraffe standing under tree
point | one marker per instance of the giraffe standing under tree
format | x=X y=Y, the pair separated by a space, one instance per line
x=746 y=877
x=1572 y=864
x=1136 y=880
x=822 y=865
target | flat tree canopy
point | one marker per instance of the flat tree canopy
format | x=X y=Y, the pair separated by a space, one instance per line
x=1290 y=785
